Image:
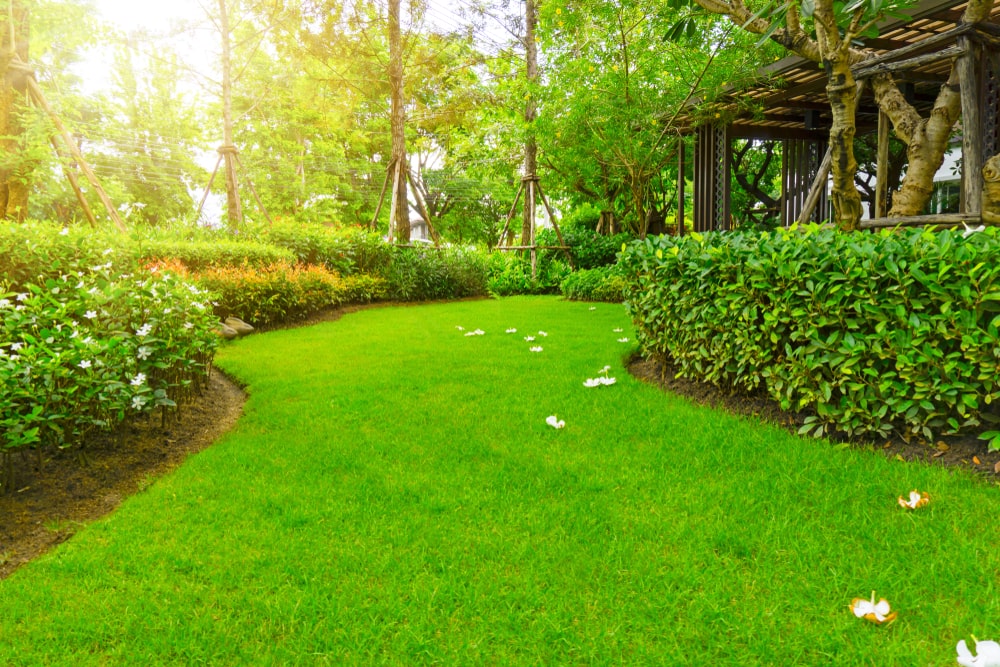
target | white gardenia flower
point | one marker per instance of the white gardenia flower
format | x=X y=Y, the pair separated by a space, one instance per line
x=537 y=348
x=555 y=422
x=138 y=380
x=90 y=314
x=84 y=364
x=987 y=654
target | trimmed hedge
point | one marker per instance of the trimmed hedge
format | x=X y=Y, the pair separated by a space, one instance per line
x=218 y=253
x=606 y=283
x=872 y=332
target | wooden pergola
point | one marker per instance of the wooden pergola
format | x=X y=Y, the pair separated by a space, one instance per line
x=919 y=52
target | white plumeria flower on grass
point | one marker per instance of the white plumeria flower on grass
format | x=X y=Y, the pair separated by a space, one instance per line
x=477 y=332
x=512 y=330
x=593 y=308
x=542 y=333
x=528 y=339
x=623 y=340
x=460 y=328
x=876 y=612
x=916 y=500
x=604 y=380
x=617 y=330
x=987 y=654
x=555 y=422
x=537 y=348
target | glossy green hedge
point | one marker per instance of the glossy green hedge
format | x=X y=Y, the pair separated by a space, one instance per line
x=604 y=283
x=870 y=332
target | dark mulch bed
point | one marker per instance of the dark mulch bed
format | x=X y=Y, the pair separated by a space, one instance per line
x=963 y=452
x=52 y=502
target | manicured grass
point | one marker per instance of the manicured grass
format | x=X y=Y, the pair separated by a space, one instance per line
x=393 y=495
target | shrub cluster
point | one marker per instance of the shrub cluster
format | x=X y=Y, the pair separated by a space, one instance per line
x=510 y=274
x=88 y=349
x=419 y=274
x=606 y=283
x=587 y=248
x=871 y=332
x=312 y=244
x=201 y=255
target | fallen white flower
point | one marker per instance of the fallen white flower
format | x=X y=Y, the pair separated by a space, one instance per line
x=542 y=333
x=876 y=612
x=618 y=330
x=969 y=231
x=917 y=499
x=592 y=382
x=988 y=654
x=536 y=349
x=460 y=328
x=593 y=308
x=555 y=422
x=477 y=332
x=623 y=340
x=529 y=338
x=512 y=330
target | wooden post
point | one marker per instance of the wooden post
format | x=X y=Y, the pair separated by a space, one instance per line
x=680 y=186
x=75 y=184
x=555 y=225
x=36 y=94
x=422 y=208
x=972 y=127
x=882 y=167
x=234 y=207
x=253 y=191
x=208 y=188
x=381 y=195
x=818 y=184
x=510 y=216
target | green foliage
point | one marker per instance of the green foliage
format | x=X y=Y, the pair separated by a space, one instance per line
x=421 y=274
x=204 y=255
x=587 y=248
x=869 y=332
x=582 y=218
x=510 y=274
x=312 y=244
x=84 y=351
x=606 y=283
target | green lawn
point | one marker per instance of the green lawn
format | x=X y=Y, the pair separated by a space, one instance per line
x=393 y=495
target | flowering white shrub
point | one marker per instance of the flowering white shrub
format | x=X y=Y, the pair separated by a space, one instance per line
x=90 y=348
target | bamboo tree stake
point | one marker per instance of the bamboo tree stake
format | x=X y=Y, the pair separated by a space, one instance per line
x=253 y=191
x=208 y=188
x=423 y=208
x=75 y=184
x=36 y=93
x=381 y=195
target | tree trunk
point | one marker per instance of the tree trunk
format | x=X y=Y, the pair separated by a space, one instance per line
x=991 y=190
x=400 y=218
x=234 y=209
x=15 y=173
x=530 y=113
x=842 y=92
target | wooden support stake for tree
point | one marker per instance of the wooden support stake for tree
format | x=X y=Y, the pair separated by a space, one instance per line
x=208 y=188
x=882 y=167
x=253 y=191
x=75 y=184
x=680 y=187
x=39 y=98
x=422 y=208
x=818 y=185
x=510 y=216
x=555 y=225
x=381 y=195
